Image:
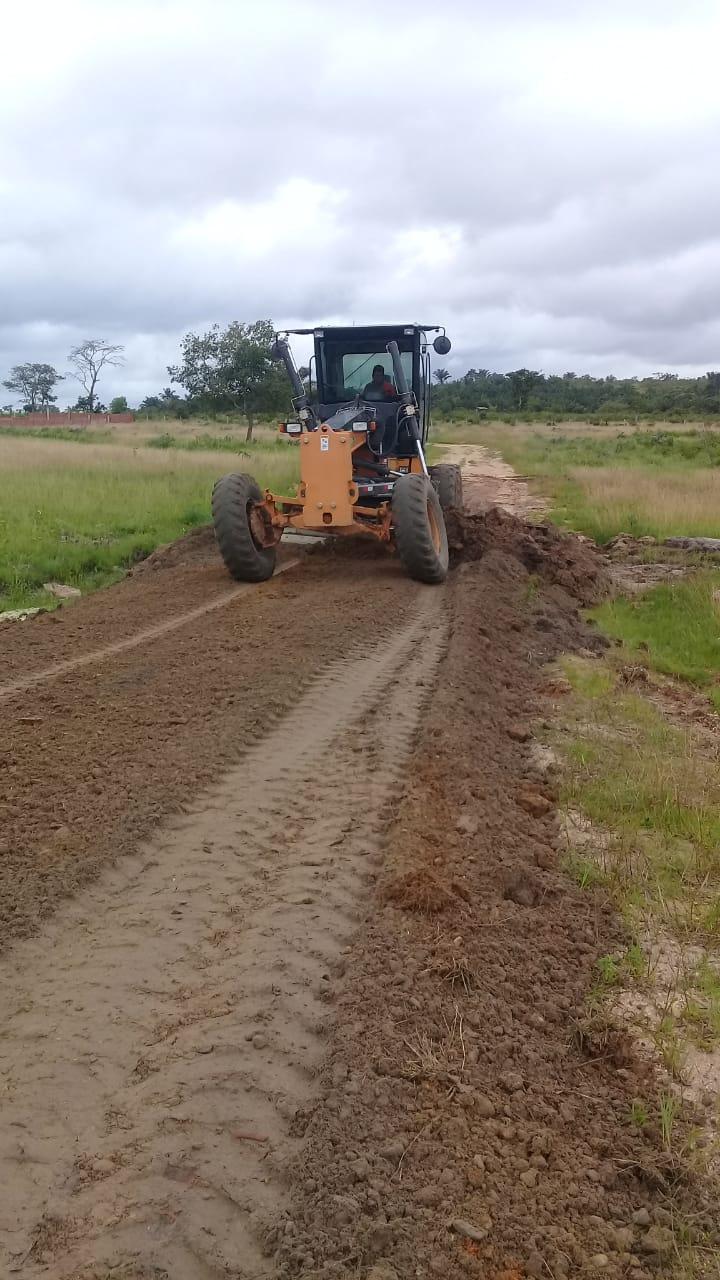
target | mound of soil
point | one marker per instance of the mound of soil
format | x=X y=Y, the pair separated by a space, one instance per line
x=573 y=563
x=196 y=546
x=475 y=1120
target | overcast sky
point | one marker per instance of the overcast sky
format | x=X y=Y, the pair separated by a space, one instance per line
x=541 y=177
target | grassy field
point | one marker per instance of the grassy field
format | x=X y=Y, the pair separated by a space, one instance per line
x=602 y=481
x=79 y=513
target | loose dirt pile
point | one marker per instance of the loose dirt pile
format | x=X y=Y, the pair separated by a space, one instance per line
x=565 y=559
x=474 y=1120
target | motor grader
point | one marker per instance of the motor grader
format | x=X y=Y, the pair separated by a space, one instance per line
x=361 y=428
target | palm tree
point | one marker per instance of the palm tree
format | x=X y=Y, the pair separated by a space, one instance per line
x=442 y=376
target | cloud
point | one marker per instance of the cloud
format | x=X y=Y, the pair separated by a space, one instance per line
x=544 y=185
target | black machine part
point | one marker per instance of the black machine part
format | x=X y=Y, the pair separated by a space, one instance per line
x=408 y=403
x=281 y=351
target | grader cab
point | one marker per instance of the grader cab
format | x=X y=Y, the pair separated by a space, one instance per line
x=361 y=426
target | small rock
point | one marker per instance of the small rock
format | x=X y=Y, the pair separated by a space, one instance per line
x=479 y=1162
x=360 y=1168
x=467 y=1229
x=512 y=1081
x=599 y=1260
x=484 y=1106
x=103 y=1166
x=657 y=1240
x=60 y=590
x=260 y=1040
x=534 y=803
x=641 y=1218
x=529 y=1177
x=19 y=615
x=429 y=1196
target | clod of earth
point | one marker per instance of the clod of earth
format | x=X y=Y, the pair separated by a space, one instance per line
x=467 y=1229
x=534 y=803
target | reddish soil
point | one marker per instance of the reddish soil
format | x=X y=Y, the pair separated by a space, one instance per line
x=336 y=1008
x=92 y=760
x=474 y=1120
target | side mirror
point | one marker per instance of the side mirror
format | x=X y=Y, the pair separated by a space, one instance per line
x=442 y=344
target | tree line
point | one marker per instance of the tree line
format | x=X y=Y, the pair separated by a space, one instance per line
x=526 y=391
x=231 y=370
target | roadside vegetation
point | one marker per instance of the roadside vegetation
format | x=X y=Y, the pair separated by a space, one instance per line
x=80 y=514
x=602 y=481
x=636 y=738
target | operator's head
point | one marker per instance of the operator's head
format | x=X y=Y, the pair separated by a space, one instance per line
x=378 y=375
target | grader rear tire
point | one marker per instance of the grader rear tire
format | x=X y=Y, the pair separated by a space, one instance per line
x=447 y=479
x=420 y=534
x=233 y=499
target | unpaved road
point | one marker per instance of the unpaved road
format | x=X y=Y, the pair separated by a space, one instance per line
x=290 y=968
x=489 y=481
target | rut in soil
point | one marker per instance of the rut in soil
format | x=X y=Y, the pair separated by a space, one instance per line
x=163 y=1033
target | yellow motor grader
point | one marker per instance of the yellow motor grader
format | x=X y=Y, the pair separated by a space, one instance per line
x=361 y=429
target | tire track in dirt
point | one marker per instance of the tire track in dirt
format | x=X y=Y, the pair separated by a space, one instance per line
x=146 y=636
x=163 y=1032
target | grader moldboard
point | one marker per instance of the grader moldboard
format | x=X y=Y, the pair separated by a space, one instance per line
x=361 y=435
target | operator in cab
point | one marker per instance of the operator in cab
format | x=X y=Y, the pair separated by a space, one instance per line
x=380 y=388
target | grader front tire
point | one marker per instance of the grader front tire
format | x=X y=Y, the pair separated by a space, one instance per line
x=419 y=524
x=233 y=501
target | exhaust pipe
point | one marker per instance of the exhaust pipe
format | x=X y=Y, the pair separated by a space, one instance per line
x=407 y=401
x=280 y=350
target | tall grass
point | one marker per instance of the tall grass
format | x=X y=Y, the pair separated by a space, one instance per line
x=601 y=482
x=80 y=513
x=604 y=501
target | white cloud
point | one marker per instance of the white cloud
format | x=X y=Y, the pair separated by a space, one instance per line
x=543 y=183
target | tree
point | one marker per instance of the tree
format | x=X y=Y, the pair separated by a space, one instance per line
x=35 y=383
x=232 y=368
x=441 y=376
x=118 y=404
x=522 y=382
x=88 y=359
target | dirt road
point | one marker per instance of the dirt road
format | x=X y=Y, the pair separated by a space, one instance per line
x=290 y=967
x=489 y=481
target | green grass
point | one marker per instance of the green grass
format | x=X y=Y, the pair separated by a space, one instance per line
x=649 y=784
x=601 y=481
x=206 y=442
x=80 y=516
x=75 y=436
x=674 y=628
